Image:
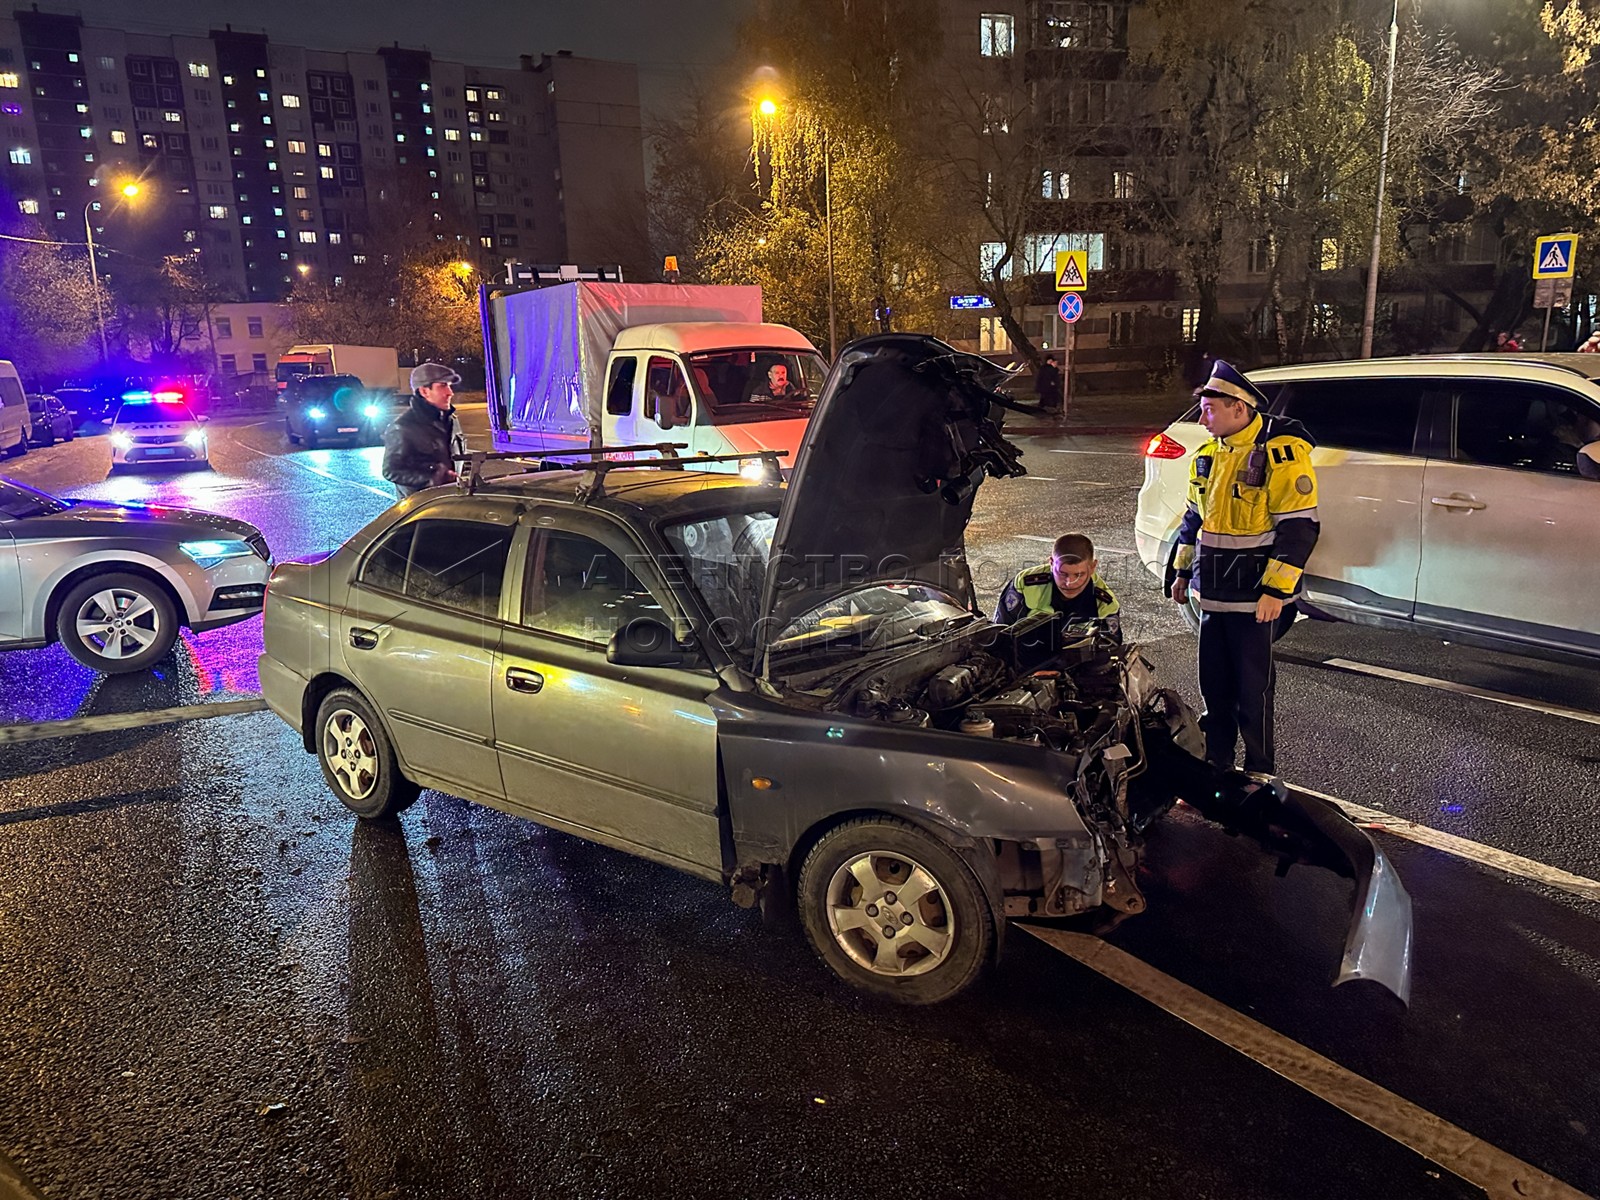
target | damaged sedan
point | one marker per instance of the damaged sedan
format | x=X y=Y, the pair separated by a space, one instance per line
x=785 y=688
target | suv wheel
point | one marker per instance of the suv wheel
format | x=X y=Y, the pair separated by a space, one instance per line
x=894 y=911
x=357 y=758
x=116 y=624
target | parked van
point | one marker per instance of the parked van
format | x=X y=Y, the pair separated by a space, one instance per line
x=15 y=421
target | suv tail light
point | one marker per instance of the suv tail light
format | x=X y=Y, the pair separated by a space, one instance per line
x=1162 y=446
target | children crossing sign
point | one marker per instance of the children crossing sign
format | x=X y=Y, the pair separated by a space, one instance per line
x=1072 y=270
x=1553 y=256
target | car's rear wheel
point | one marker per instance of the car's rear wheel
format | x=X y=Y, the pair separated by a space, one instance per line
x=357 y=758
x=117 y=623
x=894 y=911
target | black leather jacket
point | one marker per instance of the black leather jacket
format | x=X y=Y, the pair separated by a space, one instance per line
x=420 y=445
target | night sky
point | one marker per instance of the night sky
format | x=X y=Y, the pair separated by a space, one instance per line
x=671 y=40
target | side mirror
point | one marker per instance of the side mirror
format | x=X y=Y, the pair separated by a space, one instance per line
x=646 y=642
x=106 y=421
x=202 y=418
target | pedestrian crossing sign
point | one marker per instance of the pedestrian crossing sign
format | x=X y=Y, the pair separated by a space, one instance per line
x=1553 y=256
x=1072 y=270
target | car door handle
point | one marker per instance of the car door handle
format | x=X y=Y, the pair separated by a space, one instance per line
x=364 y=639
x=520 y=680
x=1457 y=501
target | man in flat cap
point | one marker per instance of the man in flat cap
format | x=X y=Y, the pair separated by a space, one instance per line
x=1250 y=526
x=422 y=444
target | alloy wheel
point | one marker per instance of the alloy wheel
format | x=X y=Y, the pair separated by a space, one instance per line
x=117 y=623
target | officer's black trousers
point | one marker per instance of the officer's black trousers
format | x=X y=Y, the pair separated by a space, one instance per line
x=1237 y=680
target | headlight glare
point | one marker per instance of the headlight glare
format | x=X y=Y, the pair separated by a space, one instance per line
x=315 y=413
x=371 y=411
x=195 y=438
x=209 y=554
x=122 y=441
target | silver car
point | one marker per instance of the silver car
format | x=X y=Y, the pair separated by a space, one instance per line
x=788 y=689
x=114 y=582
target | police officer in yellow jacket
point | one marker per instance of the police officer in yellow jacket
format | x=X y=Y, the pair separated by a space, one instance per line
x=1250 y=526
x=1068 y=584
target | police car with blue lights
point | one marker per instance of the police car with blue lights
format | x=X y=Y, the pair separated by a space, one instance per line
x=156 y=427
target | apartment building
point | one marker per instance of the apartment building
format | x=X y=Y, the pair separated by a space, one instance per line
x=271 y=161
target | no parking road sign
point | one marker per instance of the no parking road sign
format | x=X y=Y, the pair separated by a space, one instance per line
x=1071 y=307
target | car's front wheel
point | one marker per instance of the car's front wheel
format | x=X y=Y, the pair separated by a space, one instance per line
x=117 y=623
x=357 y=758
x=894 y=911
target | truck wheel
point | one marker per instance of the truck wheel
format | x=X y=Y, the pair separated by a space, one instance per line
x=894 y=911
x=357 y=758
x=117 y=623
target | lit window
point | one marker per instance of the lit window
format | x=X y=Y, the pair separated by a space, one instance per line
x=327 y=172
x=72 y=58
x=218 y=212
x=452 y=135
x=11 y=110
x=263 y=97
x=290 y=101
x=472 y=93
x=86 y=132
x=28 y=206
x=107 y=63
x=477 y=135
x=325 y=150
x=1191 y=324
x=1328 y=259
x=234 y=127
x=359 y=260
x=1122 y=185
x=22 y=155
x=300 y=193
x=335 y=238
x=261 y=74
x=308 y=236
x=997 y=36
x=149 y=141
x=199 y=71
x=492 y=94
x=1057 y=185
x=8 y=79
x=83 y=109
x=297 y=147
x=399 y=137
x=119 y=137
x=282 y=233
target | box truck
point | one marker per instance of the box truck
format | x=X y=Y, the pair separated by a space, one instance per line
x=376 y=366
x=585 y=364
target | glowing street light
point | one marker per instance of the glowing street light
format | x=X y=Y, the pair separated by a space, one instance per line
x=767 y=106
x=129 y=191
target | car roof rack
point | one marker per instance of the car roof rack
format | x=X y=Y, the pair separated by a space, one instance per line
x=593 y=460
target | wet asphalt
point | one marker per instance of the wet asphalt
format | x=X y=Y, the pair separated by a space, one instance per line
x=217 y=983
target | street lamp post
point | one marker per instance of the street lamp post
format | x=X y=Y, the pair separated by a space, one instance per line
x=1369 y=316
x=768 y=107
x=129 y=190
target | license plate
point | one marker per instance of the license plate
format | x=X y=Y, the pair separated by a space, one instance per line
x=160 y=450
x=349 y=429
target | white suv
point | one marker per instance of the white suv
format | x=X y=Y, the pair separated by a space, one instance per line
x=1448 y=493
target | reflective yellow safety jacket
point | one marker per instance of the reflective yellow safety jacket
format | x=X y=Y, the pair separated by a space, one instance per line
x=1251 y=523
x=1034 y=591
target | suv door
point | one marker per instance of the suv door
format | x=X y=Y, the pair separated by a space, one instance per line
x=419 y=632
x=1511 y=531
x=1369 y=484
x=626 y=756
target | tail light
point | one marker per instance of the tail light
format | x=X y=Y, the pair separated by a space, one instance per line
x=1162 y=446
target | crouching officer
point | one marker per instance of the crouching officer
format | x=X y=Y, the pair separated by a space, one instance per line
x=1067 y=584
x=1244 y=541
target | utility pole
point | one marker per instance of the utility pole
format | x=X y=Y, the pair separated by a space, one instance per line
x=1370 y=314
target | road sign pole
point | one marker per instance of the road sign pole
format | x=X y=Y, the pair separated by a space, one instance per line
x=1544 y=338
x=1067 y=344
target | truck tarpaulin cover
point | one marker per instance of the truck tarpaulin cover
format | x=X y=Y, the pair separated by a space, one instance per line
x=550 y=344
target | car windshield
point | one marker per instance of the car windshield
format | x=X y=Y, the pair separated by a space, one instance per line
x=726 y=561
x=875 y=617
x=18 y=502
x=739 y=386
x=326 y=387
x=151 y=412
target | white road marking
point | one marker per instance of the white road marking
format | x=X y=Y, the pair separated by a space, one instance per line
x=40 y=731
x=1500 y=860
x=1501 y=1176
x=292 y=460
x=1462 y=689
x=1039 y=478
x=1114 y=453
x=1033 y=537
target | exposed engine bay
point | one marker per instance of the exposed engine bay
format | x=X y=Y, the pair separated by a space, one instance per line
x=1124 y=749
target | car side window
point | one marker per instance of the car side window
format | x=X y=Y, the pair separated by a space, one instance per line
x=579 y=588
x=1375 y=415
x=666 y=394
x=11 y=393
x=1524 y=426
x=457 y=564
x=619 y=392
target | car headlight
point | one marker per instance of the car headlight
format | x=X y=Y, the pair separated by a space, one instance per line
x=195 y=438
x=316 y=414
x=371 y=411
x=759 y=470
x=209 y=554
x=122 y=441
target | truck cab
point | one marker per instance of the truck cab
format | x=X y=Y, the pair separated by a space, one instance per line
x=721 y=387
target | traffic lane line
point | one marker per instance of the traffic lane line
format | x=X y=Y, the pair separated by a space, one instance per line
x=1460 y=847
x=79 y=726
x=1502 y=1176
x=1445 y=685
x=386 y=493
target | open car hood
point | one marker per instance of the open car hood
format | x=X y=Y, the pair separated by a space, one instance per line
x=885 y=478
